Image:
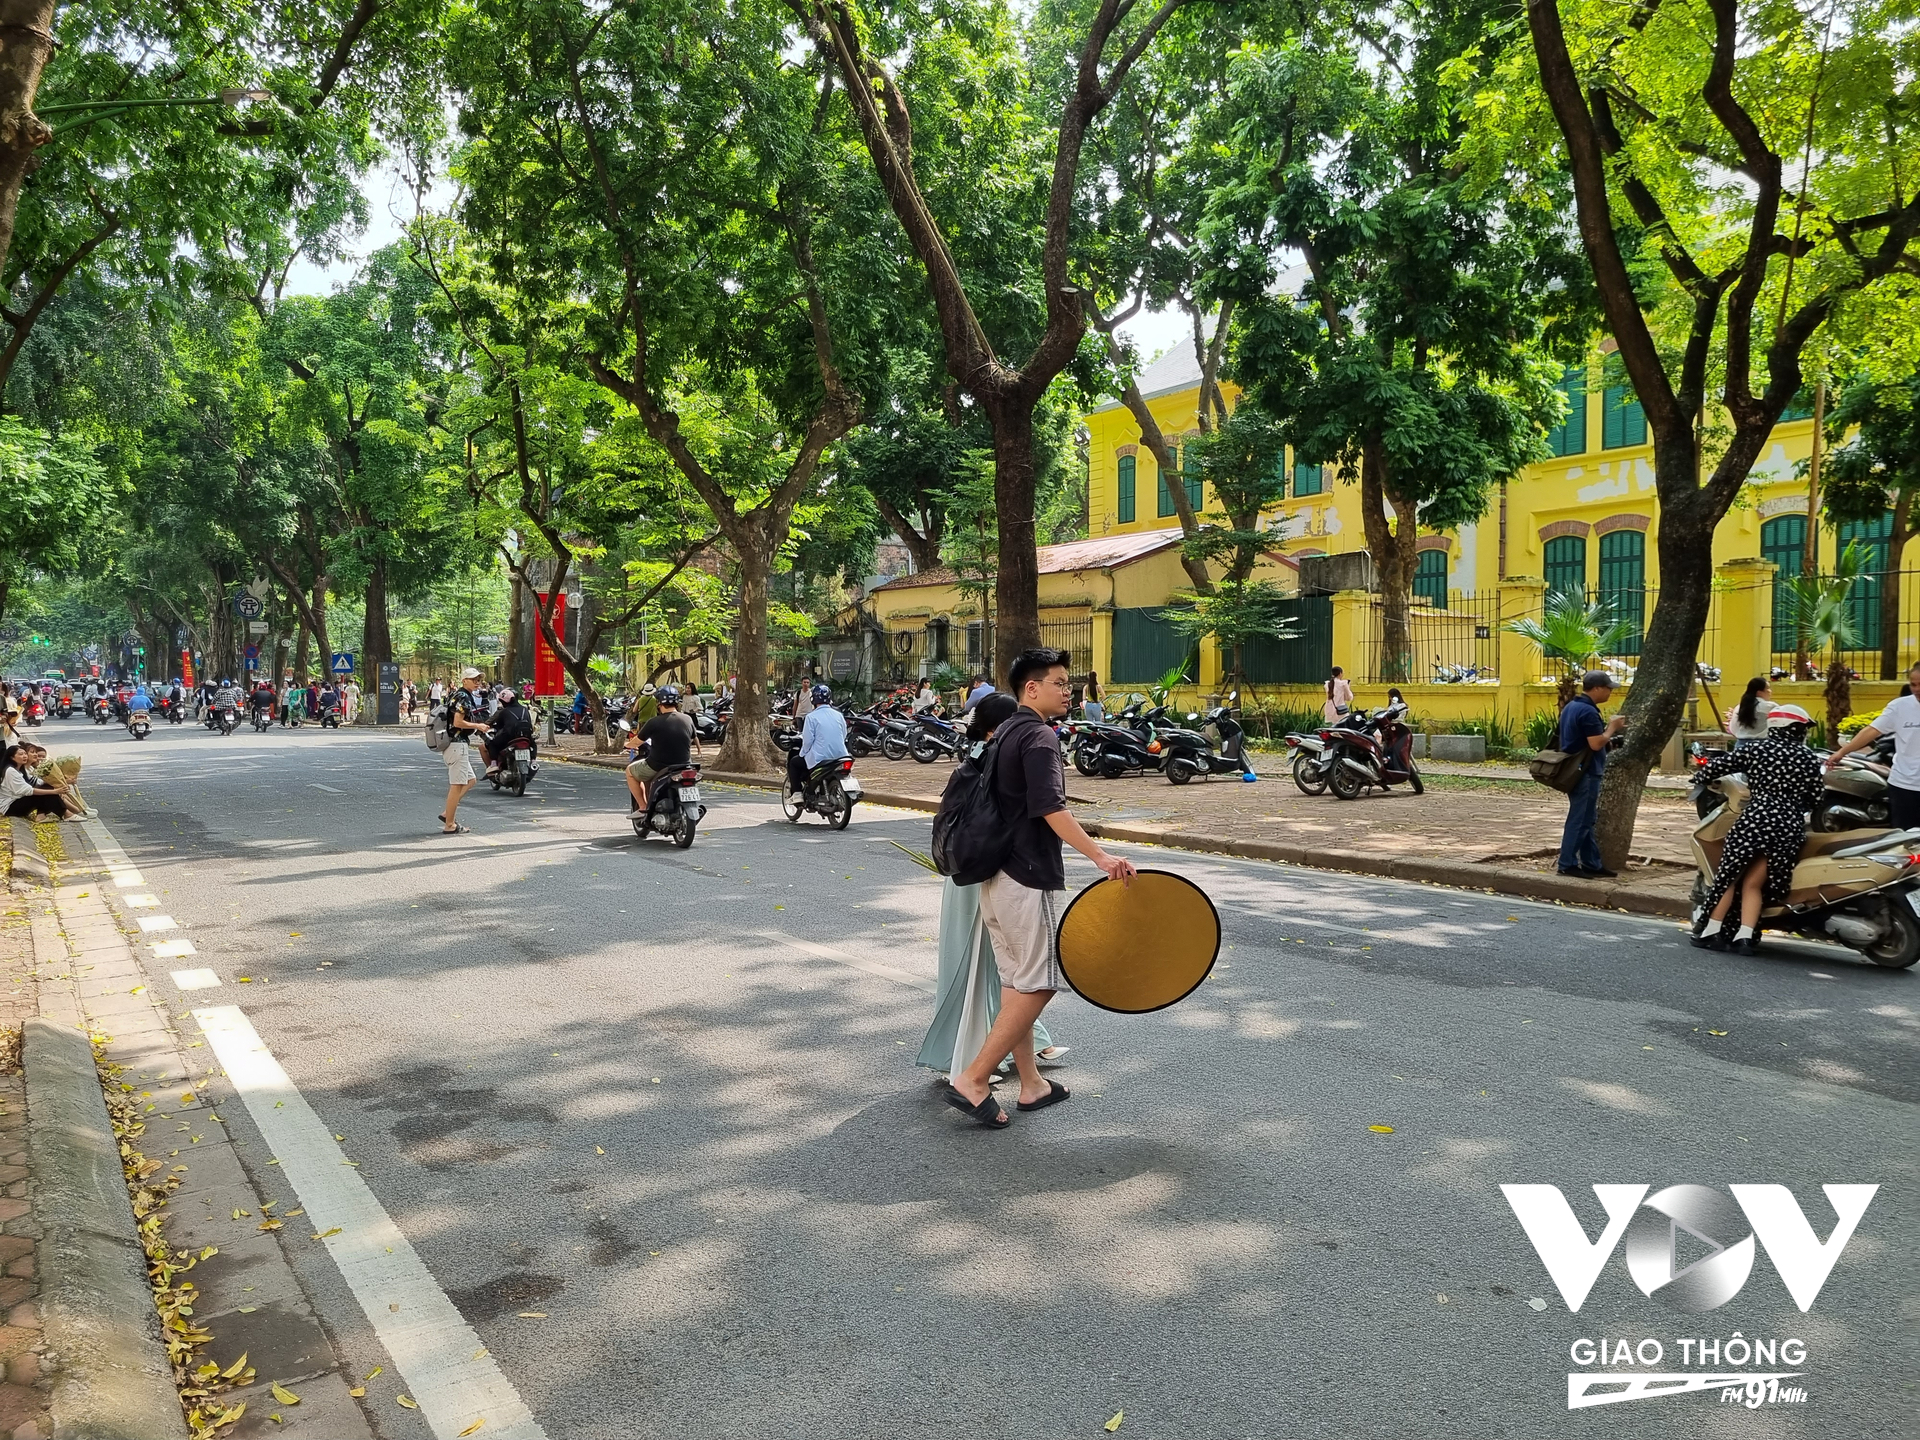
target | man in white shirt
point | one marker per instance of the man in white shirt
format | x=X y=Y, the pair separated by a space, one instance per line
x=1901 y=719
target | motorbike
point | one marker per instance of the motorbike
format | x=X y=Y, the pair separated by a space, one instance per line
x=329 y=716
x=1855 y=795
x=1862 y=890
x=897 y=734
x=34 y=712
x=139 y=724
x=1187 y=753
x=262 y=716
x=673 y=807
x=1128 y=742
x=937 y=737
x=830 y=791
x=65 y=708
x=225 y=719
x=710 y=726
x=1374 y=755
x=98 y=709
x=516 y=767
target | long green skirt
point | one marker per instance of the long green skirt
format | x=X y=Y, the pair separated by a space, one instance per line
x=968 y=999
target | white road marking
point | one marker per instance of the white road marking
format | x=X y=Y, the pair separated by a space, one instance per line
x=173 y=949
x=445 y=1365
x=141 y=902
x=151 y=923
x=195 y=980
x=316 y=785
x=840 y=957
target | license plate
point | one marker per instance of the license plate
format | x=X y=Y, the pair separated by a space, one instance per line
x=1913 y=900
x=850 y=787
x=689 y=792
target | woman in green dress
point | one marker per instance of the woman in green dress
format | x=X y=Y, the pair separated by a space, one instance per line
x=968 y=998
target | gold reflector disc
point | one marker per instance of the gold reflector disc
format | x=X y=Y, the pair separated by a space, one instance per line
x=1139 y=947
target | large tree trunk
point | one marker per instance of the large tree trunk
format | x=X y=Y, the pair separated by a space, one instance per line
x=302 y=652
x=26 y=43
x=1389 y=526
x=1839 y=697
x=1890 y=591
x=378 y=639
x=749 y=745
x=318 y=607
x=517 y=618
x=1016 y=587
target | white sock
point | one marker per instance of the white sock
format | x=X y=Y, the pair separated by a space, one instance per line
x=1745 y=933
x=1712 y=927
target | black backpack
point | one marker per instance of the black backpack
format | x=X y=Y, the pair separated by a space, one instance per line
x=971 y=838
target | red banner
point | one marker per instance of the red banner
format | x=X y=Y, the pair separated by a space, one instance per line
x=186 y=668
x=548 y=677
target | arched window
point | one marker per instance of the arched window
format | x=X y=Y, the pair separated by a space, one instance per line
x=1783 y=540
x=1566 y=565
x=1430 y=577
x=1623 y=582
x=1126 y=489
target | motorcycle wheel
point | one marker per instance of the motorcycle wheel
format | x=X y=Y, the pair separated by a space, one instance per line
x=1112 y=767
x=1345 y=784
x=790 y=802
x=893 y=747
x=1902 y=948
x=1306 y=778
x=1413 y=779
x=1179 y=772
x=839 y=808
x=519 y=785
x=859 y=746
x=1086 y=762
x=683 y=831
x=926 y=752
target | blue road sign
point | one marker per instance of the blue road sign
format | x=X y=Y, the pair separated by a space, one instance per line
x=343 y=662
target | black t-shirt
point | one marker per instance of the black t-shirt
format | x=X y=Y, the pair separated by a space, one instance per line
x=469 y=707
x=1030 y=783
x=510 y=722
x=668 y=740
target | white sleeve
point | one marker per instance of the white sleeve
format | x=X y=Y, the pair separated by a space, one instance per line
x=1886 y=722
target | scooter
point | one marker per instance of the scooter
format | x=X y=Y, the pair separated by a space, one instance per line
x=830 y=790
x=262 y=717
x=329 y=716
x=673 y=807
x=1374 y=756
x=226 y=719
x=515 y=768
x=138 y=724
x=34 y=712
x=1862 y=890
x=937 y=737
x=1189 y=754
x=1855 y=797
x=897 y=734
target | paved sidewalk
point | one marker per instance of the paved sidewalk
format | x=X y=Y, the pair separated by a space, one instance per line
x=1498 y=836
x=23 y=1387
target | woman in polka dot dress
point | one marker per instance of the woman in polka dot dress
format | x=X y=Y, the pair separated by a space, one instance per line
x=1763 y=846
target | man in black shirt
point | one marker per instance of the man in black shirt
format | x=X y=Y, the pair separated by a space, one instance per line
x=1022 y=904
x=668 y=741
x=510 y=723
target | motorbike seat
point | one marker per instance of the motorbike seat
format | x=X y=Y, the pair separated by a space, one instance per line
x=1844 y=844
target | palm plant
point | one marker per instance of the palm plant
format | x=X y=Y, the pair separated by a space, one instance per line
x=1823 y=610
x=1573 y=632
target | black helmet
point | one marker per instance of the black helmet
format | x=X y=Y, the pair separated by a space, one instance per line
x=822 y=694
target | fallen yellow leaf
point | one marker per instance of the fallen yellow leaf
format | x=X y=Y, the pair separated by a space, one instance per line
x=1381 y=1129
x=533 y=1315
x=474 y=1426
x=324 y=1233
x=1114 y=1423
x=232 y=1372
x=1716 y=1032
x=403 y=1400
x=241 y=1214
x=358 y=1392
x=375 y=1373
x=598 y=1151
x=275 y=1417
x=269 y=1225
x=248 y=1309
x=294 y=935
x=284 y=1395
x=292 y=1213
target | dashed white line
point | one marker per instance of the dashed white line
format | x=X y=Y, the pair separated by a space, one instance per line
x=446 y=1367
x=840 y=957
x=316 y=785
x=151 y=923
x=173 y=949
x=196 y=980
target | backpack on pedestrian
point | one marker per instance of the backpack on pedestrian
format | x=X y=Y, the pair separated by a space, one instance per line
x=439 y=728
x=971 y=838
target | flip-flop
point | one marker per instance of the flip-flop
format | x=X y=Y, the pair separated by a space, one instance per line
x=457 y=830
x=987 y=1112
x=1052 y=1058
x=1055 y=1095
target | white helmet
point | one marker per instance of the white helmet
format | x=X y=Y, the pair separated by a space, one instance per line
x=1782 y=717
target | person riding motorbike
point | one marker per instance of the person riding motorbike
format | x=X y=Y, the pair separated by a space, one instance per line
x=510 y=722
x=1763 y=846
x=823 y=737
x=667 y=742
x=262 y=698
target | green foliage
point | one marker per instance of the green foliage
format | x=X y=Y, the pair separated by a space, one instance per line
x=56 y=493
x=1823 y=604
x=1573 y=631
x=1878 y=459
x=1237 y=611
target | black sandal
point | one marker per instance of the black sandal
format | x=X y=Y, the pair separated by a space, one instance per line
x=987 y=1112
x=1055 y=1095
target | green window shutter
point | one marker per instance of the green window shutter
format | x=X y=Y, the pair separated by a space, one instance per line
x=1623 y=582
x=1566 y=565
x=1783 y=540
x=1863 y=601
x=1190 y=472
x=1165 y=492
x=1126 y=489
x=1569 y=437
x=1430 y=578
x=1622 y=422
x=1308 y=479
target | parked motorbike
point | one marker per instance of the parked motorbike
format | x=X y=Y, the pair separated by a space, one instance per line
x=1374 y=755
x=936 y=738
x=897 y=733
x=1862 y=890
x=139 y=724
x=710 y=726
x=1113 y=750
x=830 y=790
x=1855 y=796
x=1188 y=753
x=516 y=767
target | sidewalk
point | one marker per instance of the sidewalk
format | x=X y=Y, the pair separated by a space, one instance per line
x=1502 y=835
x=23 y=1387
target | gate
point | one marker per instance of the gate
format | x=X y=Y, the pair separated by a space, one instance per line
x=1303 y=661
x=1145 y=647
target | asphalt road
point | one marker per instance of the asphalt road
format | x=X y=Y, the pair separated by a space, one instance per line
x=588 y=1077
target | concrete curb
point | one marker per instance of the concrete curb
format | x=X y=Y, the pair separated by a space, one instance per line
x=112 y=1379
x=1522 y=884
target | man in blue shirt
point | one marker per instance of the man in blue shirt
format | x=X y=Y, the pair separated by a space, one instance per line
x=1581 y=728
x=822 y=738
x=982 y=687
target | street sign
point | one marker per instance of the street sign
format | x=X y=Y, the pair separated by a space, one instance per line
x=249 y=607
x=253 y=656
x=1483 y=632
x=388 y=701
x=343 y=662
x=842 y=664
x=253 y=662
x=256 y=627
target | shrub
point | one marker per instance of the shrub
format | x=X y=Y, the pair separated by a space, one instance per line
x=1852 y=725
x=1542 y=730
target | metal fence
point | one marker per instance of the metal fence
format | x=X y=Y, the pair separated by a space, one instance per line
x=1456 y=641
x=1867 y=602
x=1073 y=636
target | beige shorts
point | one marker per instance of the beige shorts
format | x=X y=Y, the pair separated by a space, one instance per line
x=1025 y=926
x=641 y=771
x=459 y=760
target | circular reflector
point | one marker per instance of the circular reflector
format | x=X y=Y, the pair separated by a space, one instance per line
x=1140 y=947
